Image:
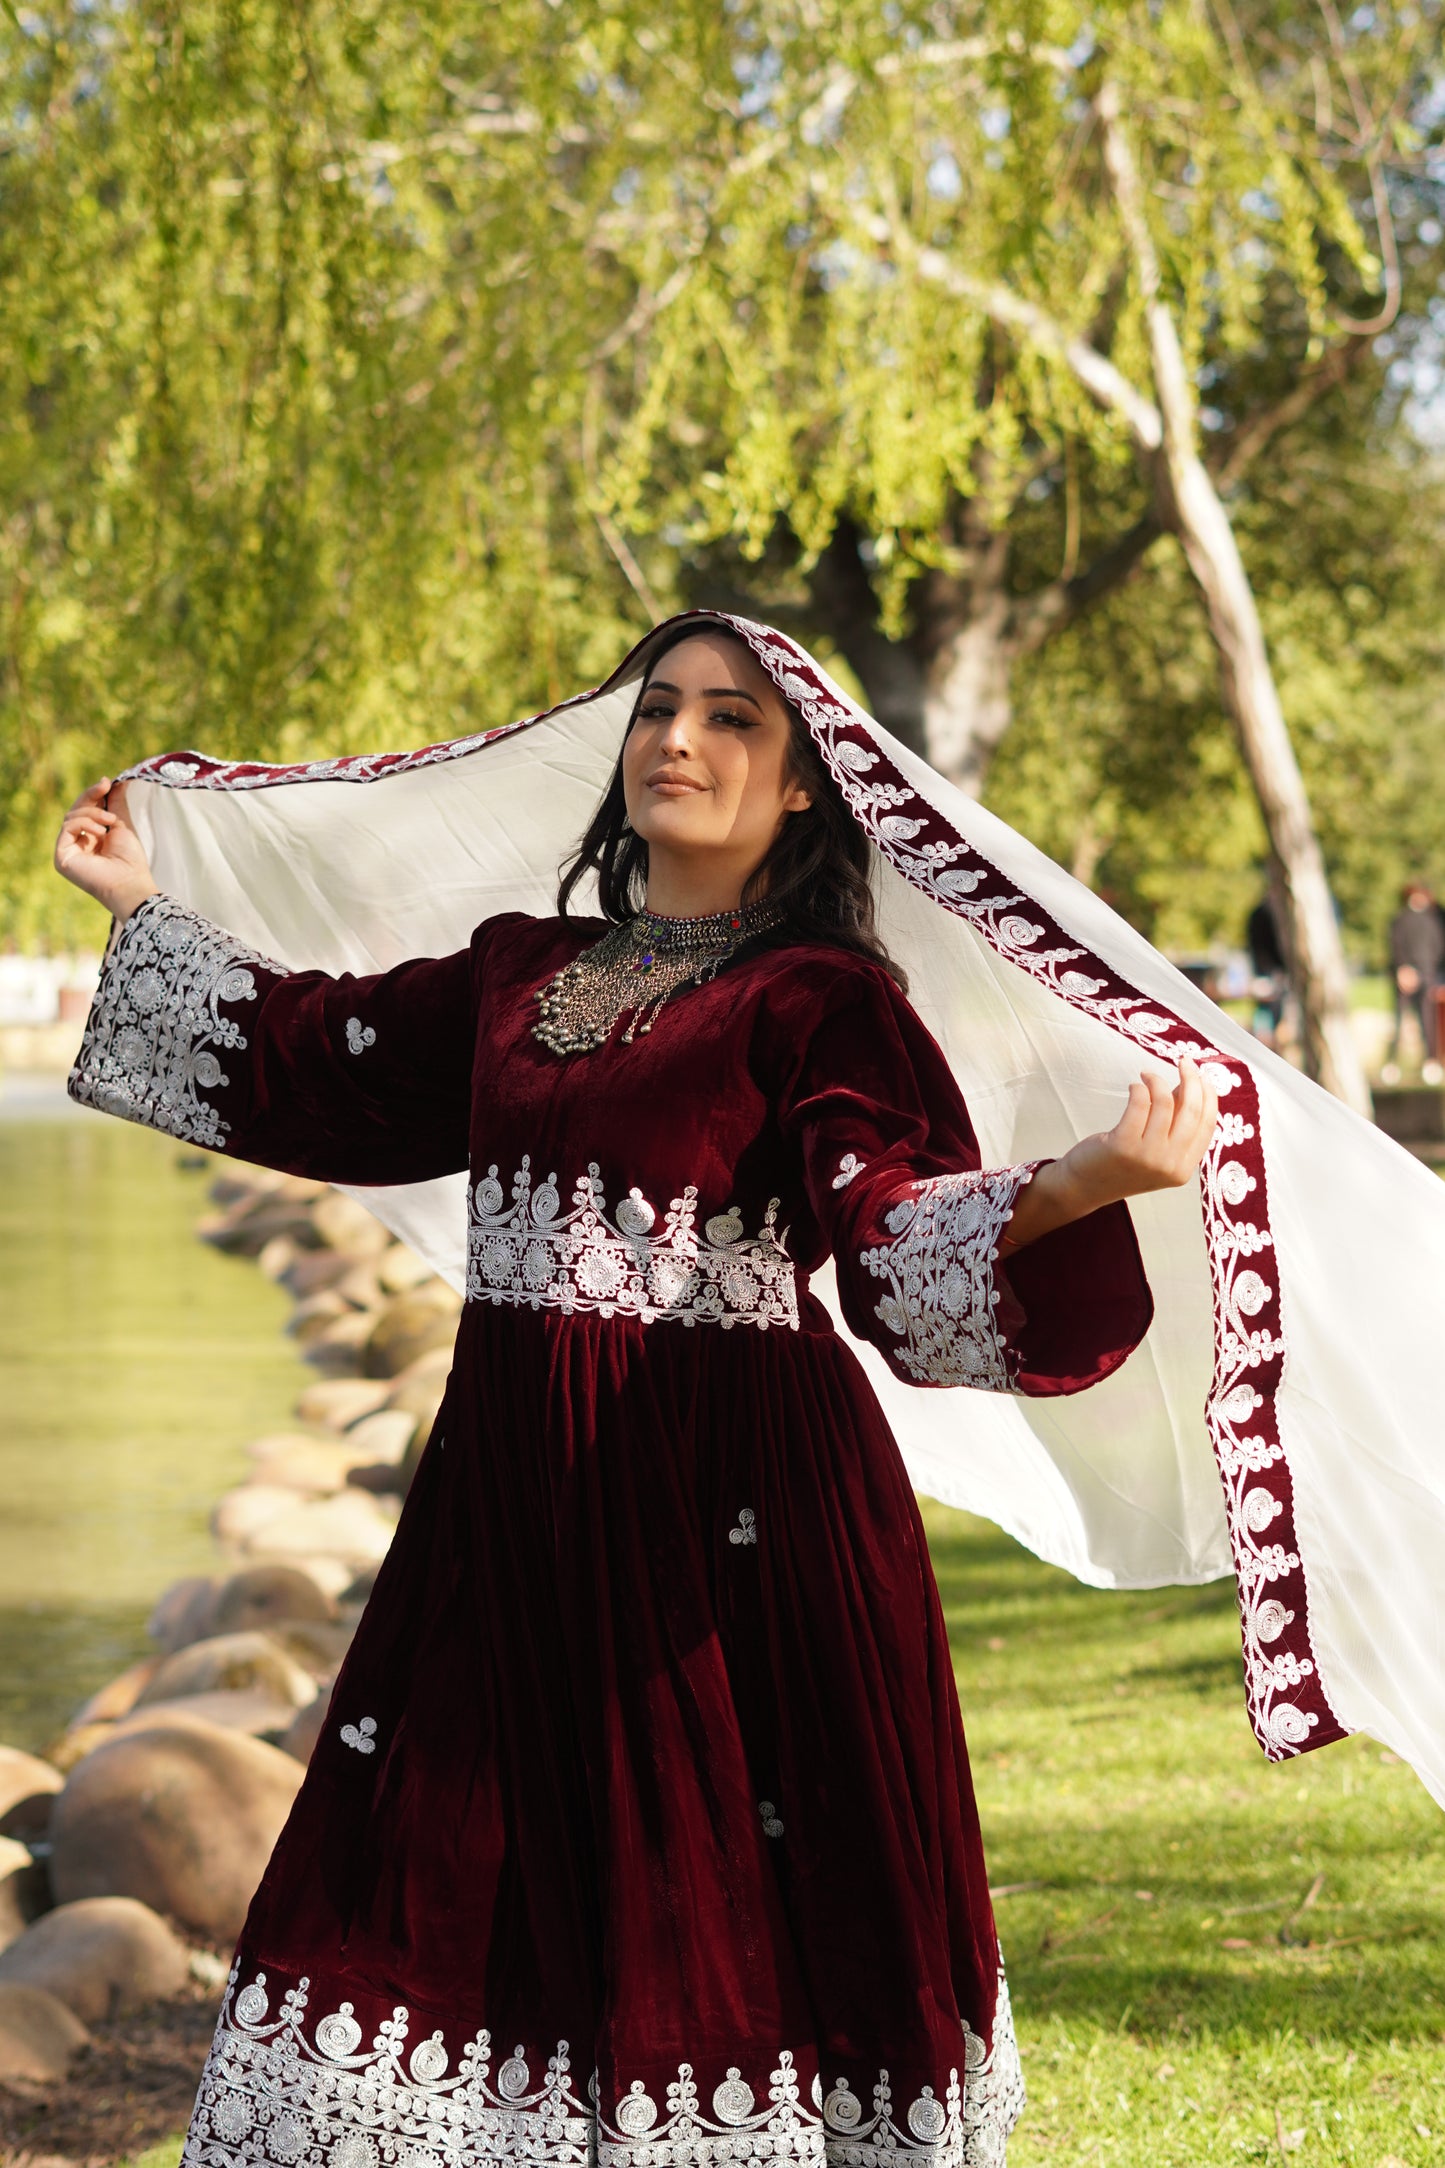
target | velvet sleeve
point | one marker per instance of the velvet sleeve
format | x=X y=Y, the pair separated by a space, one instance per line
x=914 y=1219
x=345 y=1079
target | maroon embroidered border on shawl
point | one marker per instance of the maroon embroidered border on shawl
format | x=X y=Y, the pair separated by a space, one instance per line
x=1288 y=1706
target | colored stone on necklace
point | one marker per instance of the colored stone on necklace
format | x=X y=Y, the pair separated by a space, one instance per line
x=581 y=1007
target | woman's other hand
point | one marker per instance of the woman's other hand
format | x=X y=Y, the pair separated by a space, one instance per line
x=1157 y=1143
x=99 y=851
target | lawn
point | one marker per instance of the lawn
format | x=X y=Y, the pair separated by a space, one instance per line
x=1211 y=1959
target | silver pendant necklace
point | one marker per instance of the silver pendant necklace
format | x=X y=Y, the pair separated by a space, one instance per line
x=638 y=966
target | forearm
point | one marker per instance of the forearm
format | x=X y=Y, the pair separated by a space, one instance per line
x=125 y=899
x=1059 y=1194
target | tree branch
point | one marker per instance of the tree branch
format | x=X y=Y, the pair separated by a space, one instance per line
x=1037 y=617
x=1259 y=430
x=1099 y=376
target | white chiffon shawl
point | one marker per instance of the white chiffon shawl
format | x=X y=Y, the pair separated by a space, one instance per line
x=1283 y=1418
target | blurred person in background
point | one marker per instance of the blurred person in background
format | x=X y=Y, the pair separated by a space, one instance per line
x=1270 y=983
x=1417 y=964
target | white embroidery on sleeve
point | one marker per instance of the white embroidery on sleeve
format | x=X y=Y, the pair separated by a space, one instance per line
x=154 y=1027
x=940 y=1276
x=848 y=1166
x=359 y=1036
x=362 y=1736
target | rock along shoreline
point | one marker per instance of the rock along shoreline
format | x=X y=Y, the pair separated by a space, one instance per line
x=130 y=1848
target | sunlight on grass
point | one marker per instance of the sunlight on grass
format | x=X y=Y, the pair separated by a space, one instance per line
x=1211 y=1959
x=165 y=2155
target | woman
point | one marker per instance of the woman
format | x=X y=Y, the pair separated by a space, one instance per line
x=643 y=1821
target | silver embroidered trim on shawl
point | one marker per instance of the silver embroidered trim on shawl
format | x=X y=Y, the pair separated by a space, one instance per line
x=272 y=2097
x=940 y=1275
x=155 y=1027
x=532 y=1252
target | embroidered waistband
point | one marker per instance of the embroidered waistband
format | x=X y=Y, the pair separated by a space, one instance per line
x=622 y=1265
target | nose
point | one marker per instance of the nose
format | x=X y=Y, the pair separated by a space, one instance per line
x=676 y=739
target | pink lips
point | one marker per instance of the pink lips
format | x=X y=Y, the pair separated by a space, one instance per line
x=669 y=784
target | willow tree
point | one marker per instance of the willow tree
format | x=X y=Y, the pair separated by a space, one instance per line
x=298 y=310
x=937 y=262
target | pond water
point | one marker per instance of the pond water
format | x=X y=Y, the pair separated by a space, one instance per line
x=135 y=1365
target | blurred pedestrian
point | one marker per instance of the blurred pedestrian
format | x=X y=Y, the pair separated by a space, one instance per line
x=1269 y=984
x=1417 y=963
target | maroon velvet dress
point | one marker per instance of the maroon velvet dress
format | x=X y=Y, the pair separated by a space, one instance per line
x=642 y=1830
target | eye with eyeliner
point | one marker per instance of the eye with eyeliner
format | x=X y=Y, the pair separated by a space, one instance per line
x=662 y=711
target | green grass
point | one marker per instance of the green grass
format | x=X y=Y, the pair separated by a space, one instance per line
x=1216 y=1960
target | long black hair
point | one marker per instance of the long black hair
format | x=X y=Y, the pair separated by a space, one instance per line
x=817 y=872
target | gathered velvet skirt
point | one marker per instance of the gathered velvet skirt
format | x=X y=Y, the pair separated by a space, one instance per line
x=642 y=1827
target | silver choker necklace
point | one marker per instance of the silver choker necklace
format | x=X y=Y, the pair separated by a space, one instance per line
x=638 y=966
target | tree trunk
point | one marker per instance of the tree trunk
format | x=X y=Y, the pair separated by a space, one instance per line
x=1192 y=507
x=968 y=636
x=1312 y=933
x=945 y=688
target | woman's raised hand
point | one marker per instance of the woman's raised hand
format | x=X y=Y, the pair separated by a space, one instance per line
x=1157 y=1143
x=99 y=851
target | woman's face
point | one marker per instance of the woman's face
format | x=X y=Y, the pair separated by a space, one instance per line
x=705 y=763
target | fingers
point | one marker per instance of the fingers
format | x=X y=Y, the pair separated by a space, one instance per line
x=1160 y=1121
x=1130 y=1126
x=94 y=795
x=1188 y=1098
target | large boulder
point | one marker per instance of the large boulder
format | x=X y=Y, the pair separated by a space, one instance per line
x=400 y=1268
x=350 y=1526
x=317 y=1645
x=361 y=1287
x=244 y=1228
x=229 y=1662
x=240 y=1514
x=102 y=1957
x=313 y=1319
x=306 y=1728
x=182 y=1815
x=261 y=1596
x=27 y=1787
x=343 y=1224
x=24 y=1890
x=337 y=1403
x=313 y=1466
x=255 y=1710
x=183 y=1614
x=331 y=1574
x=420 y=1387
x=312 y=1270
x=409 y=1326
x=338 y=1347
x=39 y=2037
x=381 y=1440
x=118 y=1696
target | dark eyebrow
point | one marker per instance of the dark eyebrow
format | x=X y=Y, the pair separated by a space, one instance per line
x=709 y=692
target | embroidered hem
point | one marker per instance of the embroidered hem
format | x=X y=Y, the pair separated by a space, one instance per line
x=279 y=2091
x=531 y=1252
x=941 y=1295
x=155 y=1028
